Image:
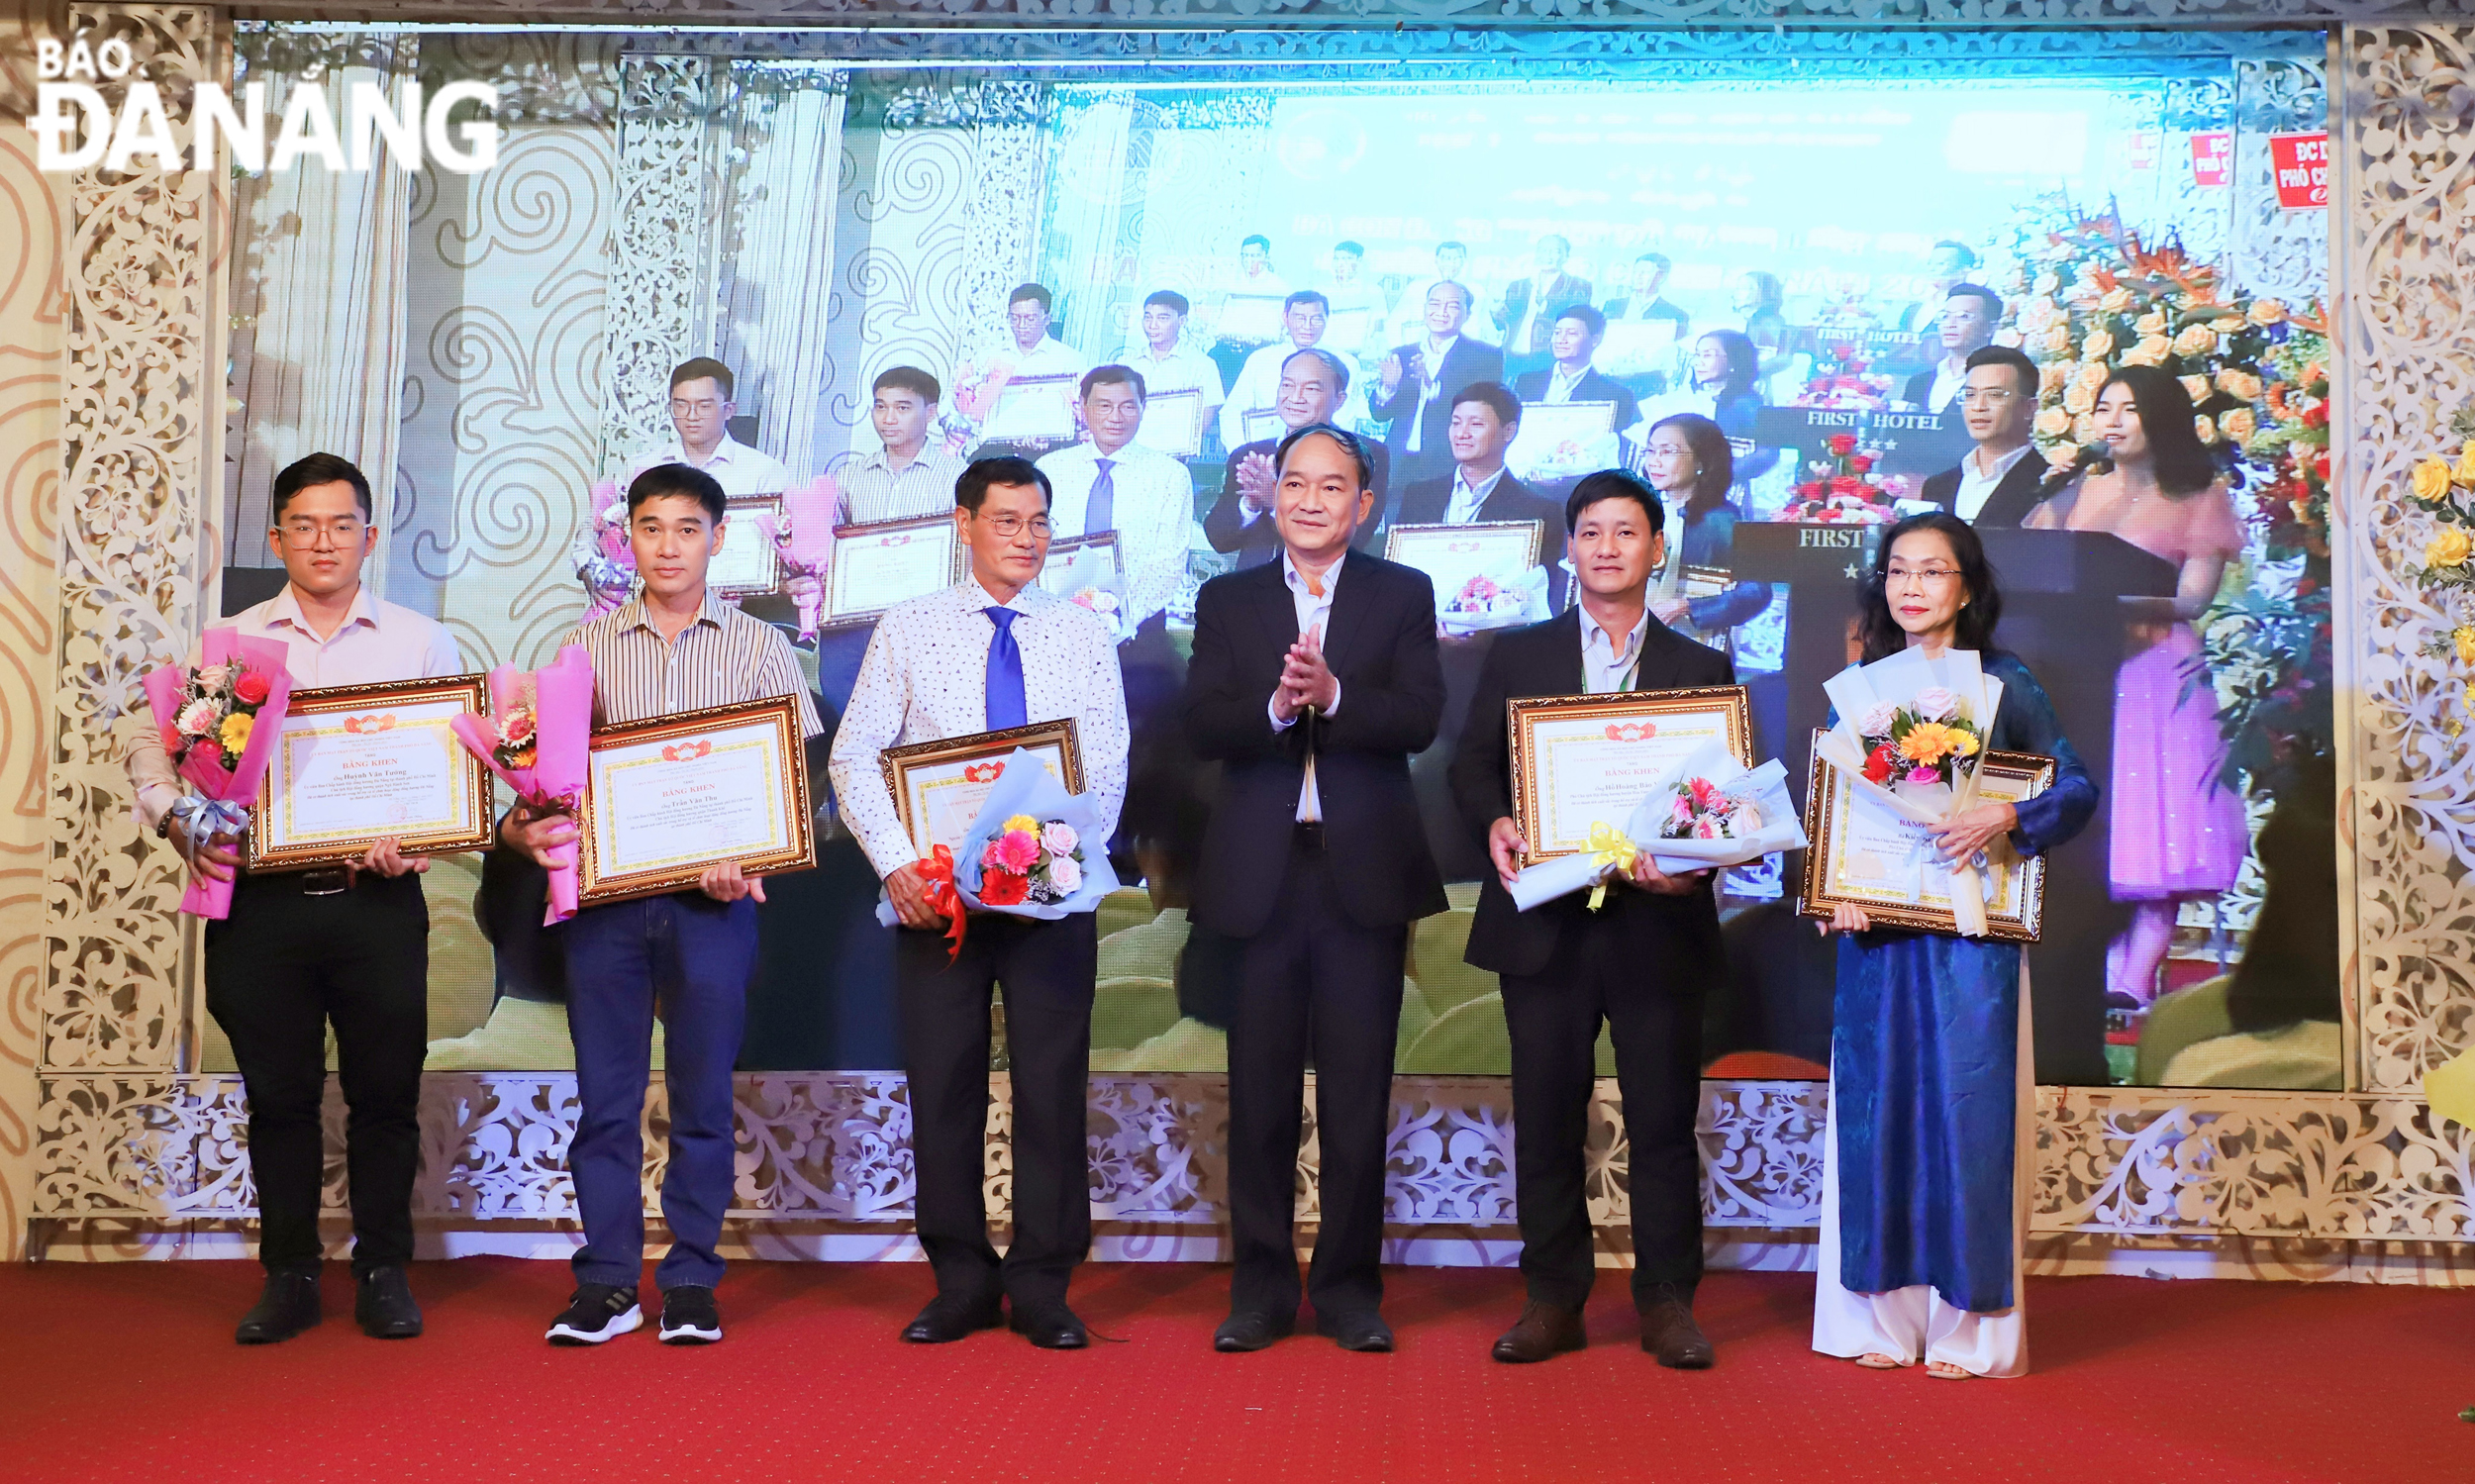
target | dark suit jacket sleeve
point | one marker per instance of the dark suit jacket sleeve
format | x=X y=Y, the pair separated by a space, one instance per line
x=1225 y=721
x=1486 y=363
x=1920 y=387
x=1944 y=489
x=1401 y=717
x=1220 y=524
x=1481 y=782
x=1404 y=398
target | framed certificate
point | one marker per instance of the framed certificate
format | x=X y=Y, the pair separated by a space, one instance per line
x=874 y=568
x=1080 y=563
x=1252 y=317
x=748 y=564
x=1633 y=347
x=1173 y=423
x=1866 y=854
x=1032 y=408
x=361 y=763
x=1260 y=424
x=1450 y=556
x=939 y=786
x=664 y=798
x=1583 y=760
x=1562 y=440
x=1346 y=329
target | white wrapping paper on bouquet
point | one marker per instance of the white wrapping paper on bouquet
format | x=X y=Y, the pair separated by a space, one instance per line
x=1898 y=681
x=1612 y=849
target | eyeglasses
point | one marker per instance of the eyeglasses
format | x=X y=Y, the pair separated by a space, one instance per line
x=1922 y=576
x=304 y=536
x=1985 y=396
x=690 y=409
x=1011 y=526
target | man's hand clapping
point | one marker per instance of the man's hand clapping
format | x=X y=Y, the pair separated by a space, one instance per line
x=1305 y=679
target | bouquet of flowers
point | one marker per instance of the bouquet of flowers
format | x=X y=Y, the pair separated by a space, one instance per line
x=609 y=573
x=1706 y=812
x=1842 y=489
x=1910 y=734
x=207 y=715
x=1031 y=851
x=534 y=739
x=1841 y=379
x=805 y=539
x=1494 y=601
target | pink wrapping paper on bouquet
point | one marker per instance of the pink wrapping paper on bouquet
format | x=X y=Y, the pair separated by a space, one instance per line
x=546 y=715
x=228 y=785
x=806 y=542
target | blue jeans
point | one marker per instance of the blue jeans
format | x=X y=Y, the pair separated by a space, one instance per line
x=694 y=957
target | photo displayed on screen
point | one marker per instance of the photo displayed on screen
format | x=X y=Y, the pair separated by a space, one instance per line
x=1797 y=309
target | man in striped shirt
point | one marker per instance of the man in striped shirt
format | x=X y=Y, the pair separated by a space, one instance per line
x=673 y=647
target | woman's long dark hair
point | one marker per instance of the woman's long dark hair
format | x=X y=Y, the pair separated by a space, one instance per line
x=2183 y=462
x=1880 y=631
x=1745 y=361
x=1713 y=462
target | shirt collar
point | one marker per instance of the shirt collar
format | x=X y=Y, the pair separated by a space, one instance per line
x=286 y=608
x=633 y=615
x=723 y=453
x=2002 y=465
x=1563 y=377
x=1593 y=638
x=1297 y=580
x=1460 y=481
x=980 y=597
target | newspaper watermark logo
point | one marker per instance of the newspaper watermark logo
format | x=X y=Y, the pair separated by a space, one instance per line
x=75 y=128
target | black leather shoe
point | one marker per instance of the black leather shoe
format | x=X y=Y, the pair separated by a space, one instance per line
x=1670 y=1333
x=1251 y=1330
x=1543 y=1332
x=384 y=1307
x=949 y=1317
x=1365 y=1333
x=286 y=1305
x=1051 y=1325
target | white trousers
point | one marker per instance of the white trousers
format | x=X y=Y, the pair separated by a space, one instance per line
x=1916 y=1323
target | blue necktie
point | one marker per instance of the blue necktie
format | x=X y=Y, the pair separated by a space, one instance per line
x=1006 y=706
x=1101 y=513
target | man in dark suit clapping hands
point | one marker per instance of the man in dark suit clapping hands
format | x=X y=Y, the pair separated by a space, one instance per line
x=1417 y=380
x=1640 y=963
x=1314 y=680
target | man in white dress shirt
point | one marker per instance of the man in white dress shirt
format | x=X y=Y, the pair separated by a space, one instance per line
x=300 y=949
x=701 y=410
x=1257 y=389
x=993 y=653
x=1970 y=315
x=2002 y=478
x=1028 y=350
x=1358 y=306
x=1168 y=362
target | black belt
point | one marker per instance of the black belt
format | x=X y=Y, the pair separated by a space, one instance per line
x=327 y=881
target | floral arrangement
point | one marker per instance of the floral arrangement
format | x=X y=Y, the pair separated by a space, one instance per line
x=2087 y=295
x=1030 y=860
x=608 y=572
x=1697 y=809
x=969 y=402
x=536 y=739
x=1929 y=740
x=1842 y=488
x=206 y=716
x=516 y=738
x=803 y=536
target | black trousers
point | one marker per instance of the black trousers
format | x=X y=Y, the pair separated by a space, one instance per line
x=1654 y=1017
x=1311 y=981
x=1047 y=969
x=279 y=969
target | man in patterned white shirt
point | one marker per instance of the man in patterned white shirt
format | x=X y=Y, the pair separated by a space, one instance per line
x=992 y=652
x=687 y=955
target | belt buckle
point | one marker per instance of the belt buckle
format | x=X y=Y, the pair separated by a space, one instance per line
x=330 y=882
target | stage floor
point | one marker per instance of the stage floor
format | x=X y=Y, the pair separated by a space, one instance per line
x=128 y=1371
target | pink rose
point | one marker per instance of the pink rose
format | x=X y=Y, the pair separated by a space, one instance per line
x=213 y=677
x=1876 y=721
x=252 y=689
x=1065 y=874
x=1936 y=704
x=207 y=750
x=1060 y=838
x=1923 y=774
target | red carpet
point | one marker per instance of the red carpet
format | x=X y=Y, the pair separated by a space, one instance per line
x=127 y=1372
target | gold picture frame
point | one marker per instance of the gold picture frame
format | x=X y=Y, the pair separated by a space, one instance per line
x=362 y=713
x=770 y=725
x=1575 y=759
x=725 y=578
x=933 y=782
x=846 y=607
x=2017 y=913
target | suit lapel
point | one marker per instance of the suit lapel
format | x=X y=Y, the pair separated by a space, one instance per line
x=1561 y=667
x=1660 y=651
x=1352 y=602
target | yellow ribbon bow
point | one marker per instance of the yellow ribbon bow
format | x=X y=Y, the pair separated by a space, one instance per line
x=1610 y=846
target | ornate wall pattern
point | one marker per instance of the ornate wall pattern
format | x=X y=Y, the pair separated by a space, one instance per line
x=668 y=194
x=123 y=1137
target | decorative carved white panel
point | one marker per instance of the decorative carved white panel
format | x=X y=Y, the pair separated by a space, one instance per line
x=662 y=288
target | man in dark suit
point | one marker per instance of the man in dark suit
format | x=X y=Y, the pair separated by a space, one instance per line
x=1313 y=682
x=1641 y=301
x=1578 y=331
x=1639 y=964
x=2002 y=479
x=1313 y=382
x=1532 y=303
x=1485 y=420
x=1970 y=316
x=1419 y=379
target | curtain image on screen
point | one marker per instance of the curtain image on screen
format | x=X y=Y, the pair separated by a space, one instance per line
x=1780 y=277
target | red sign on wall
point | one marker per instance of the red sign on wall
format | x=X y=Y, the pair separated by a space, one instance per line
x=2213 y=158
x=2301 y=161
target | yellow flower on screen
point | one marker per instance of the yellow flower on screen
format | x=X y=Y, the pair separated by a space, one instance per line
x=2431 y=478
x=2463 y=636
x=236 y=734
x=2465 y=473
x=2449 y=547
